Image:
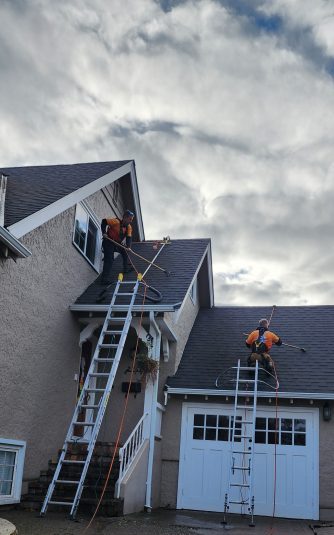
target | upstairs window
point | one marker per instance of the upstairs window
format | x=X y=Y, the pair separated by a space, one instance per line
x=86 y=235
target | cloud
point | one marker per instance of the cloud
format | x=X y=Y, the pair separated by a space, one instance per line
x=225 y=107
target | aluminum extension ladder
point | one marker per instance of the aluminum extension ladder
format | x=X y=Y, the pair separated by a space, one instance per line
x=240 y=490
x=98 y=383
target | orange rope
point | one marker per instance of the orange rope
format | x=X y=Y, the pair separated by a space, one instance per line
x=123 y=414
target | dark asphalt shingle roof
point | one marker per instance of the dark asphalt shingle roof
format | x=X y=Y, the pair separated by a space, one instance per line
x=180 y=257
x=29 y=189
x=216 y=343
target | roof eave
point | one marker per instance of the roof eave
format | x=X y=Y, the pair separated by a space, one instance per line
x=13 y=244
x=136 y=308
x=272 y=394
x=40 y=217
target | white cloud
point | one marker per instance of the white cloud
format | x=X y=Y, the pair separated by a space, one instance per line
x=231 y=128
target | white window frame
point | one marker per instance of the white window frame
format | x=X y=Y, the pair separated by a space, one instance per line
x=193 y=292
x=96 y=223
x=18 y=447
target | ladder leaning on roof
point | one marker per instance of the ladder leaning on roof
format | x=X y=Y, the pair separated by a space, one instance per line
x=99 y=381
x=240 y=489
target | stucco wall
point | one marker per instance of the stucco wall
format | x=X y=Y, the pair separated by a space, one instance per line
x=133 y=488
x=39 y=337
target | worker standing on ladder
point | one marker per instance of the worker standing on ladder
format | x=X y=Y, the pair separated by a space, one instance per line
x=117 y=230
x=260 y=341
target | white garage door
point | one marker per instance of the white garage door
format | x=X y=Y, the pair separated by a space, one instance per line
x=204 y=460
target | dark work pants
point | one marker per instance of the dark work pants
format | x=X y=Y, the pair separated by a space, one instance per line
x=109 y=250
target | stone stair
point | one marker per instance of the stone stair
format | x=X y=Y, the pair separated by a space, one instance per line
x=94 y=483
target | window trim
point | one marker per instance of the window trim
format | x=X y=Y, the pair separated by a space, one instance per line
x=193 y=292
x=95 y=221
x=19 y=447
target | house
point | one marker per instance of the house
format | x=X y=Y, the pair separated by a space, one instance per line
x=175 y=437
x=53 y=307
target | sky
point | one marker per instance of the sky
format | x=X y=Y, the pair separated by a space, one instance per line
x=226 y=106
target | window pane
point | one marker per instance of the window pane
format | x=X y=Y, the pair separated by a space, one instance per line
x=299 y=425
x=199 y=419
x=5 y=488
x=223 y=421
x=272 y=424
x=286 y=439
x=271 y=437
x=223 y=434
x=260 y=423
x=198 y=433
x=91 y=241
x=80 y=231
x=211 y=420
x=260 y=437
x=210 y=434
x=7 y=463
x=300 y=439
x=286 y=424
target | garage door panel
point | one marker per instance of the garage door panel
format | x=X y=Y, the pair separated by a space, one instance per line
x=205 y=461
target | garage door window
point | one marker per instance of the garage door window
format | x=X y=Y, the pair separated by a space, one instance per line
x=215 y=427
x=289 y=431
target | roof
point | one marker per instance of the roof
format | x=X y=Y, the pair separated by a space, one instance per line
x=182 y=258
x=216 y=342
x=30 y=189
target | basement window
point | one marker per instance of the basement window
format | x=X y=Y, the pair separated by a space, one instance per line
x=86 y=236
x=11 y=470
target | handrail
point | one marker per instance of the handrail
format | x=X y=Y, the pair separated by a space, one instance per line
x=128 y=452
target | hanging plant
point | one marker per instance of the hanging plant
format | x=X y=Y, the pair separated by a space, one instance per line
x=145 y=365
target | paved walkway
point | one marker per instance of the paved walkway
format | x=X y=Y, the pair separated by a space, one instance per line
x=160 y=522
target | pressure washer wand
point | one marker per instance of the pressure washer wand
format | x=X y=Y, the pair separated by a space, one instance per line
x=139 y=256
x=288 y=345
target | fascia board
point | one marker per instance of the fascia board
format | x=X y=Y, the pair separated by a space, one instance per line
x=272 y=394
x=13 y=244
x=212 y=298
x=37 y=219
x=136 y=308
x=136 y=198
x=179 y=312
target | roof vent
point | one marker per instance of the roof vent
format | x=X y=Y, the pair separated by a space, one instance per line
x=3 y=185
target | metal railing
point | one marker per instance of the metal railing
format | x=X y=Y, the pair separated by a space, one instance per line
x=129 y=451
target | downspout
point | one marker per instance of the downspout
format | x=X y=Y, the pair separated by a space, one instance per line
x=156 y=356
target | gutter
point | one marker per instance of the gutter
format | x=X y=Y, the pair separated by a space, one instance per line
x=13 y=244
x=120 y=308
x=268 y=394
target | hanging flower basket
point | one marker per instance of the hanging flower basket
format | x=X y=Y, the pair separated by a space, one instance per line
x=145 y=365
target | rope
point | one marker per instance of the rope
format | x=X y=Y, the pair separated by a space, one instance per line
x=124 y=410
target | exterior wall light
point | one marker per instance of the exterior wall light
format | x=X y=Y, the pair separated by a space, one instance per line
x=327 y=412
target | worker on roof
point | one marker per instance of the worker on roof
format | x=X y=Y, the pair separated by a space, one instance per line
x=260 y=341
x=115 y=231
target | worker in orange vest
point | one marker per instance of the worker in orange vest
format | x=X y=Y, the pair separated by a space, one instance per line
x=260 y=341
x=117 y=230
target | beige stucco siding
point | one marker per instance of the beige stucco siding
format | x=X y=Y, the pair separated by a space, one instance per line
x=39 y=337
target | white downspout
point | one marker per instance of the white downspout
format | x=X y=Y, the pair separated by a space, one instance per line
x=153 y=413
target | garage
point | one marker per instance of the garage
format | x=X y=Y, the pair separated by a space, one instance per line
x=205 y=458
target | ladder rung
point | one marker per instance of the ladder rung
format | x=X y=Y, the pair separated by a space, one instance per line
x=239 y=485
x=124 y=293
x=94 y=389
x=116 y=318
x=108 y=346
x=112 y=332
x=99 y=374
x=247 y=407
x=237 y=503
x=68 y=461
x=51 y=502
x=252 y=368
x=240 y=468
x=90 y=424
x=67 y=482
x=244 y=381
x=89 y=406
x=104 y=359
